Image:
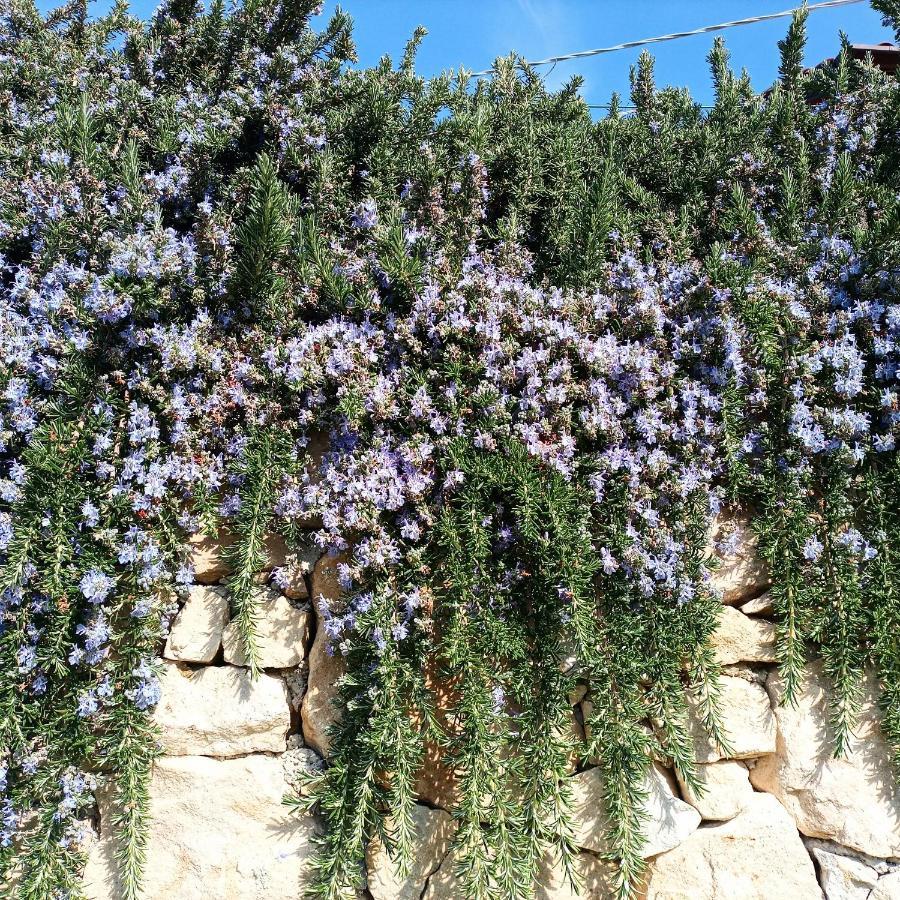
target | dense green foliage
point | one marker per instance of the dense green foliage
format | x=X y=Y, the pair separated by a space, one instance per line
x=543 y=352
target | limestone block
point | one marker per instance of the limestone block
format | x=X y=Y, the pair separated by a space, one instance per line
x=888 y=887
x=747 y=719
x=597 y=879
x=318 y=711
x=433 y=832
x=842 y=876
x=853 y=800
x=669 y=820
x=218 y=828
x=207 y=554
x=757 y=855
x=196 y=633
x=282 y=633
x=728 y=790
x=759 y=606
x=221 y=711
x=741 y=574
x=298 y=566
x=738 y=638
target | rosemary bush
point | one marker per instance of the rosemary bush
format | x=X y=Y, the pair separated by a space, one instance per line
x=544 y=353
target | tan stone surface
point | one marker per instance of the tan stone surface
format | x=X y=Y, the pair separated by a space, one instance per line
x=318 y=711
x=570 y=655
x=324 y=579
x=218 y=830
x=221 y=711
x=206 y=553
x=757 y=855
x=436 y=782
x=728 y=790
x=742 y=574
x=669 y=820
x=841 y=876
x=196 y=633
x=282 y=633
x=298 y=566
x=759 y=606
x=747 y=718
x=597 y=879
x=443 y=884
x=207 y=558
x=853 y=800
x=578 y=693
x=277 y=552
x=888 y=887
x=738 y=638
x=433 y=833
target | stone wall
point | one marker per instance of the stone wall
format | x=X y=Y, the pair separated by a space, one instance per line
x=780 y=818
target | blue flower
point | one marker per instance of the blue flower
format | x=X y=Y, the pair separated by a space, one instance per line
x=608 y=560
x=812 y=549
x=90 y=514
x=87 y=704
x=365 y=216
x=96 y=586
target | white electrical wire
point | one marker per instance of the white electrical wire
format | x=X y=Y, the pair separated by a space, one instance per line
x=752 y=20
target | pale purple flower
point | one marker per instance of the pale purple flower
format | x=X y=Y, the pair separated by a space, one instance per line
x=813 y=548
x=608 y=560
x=96 y=585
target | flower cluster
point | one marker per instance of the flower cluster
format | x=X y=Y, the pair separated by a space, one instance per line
x=507 y=391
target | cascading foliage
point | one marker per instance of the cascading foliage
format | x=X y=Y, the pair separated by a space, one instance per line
x=541 y=352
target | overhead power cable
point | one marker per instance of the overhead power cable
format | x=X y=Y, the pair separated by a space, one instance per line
x=706 y=29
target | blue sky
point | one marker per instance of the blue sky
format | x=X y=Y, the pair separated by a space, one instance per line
x=474 y=32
